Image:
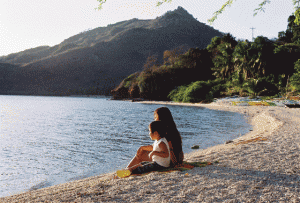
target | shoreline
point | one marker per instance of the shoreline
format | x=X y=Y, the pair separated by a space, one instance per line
x=262 y=123
x=263 y=165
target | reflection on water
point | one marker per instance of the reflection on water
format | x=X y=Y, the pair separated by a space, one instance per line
x=50 y=140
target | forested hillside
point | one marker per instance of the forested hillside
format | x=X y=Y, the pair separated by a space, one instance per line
x=96 y=61
x=225 y=67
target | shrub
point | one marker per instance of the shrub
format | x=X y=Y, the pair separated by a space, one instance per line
x=195 y=92
x=177 y=94
x=265 y=87
x=125 y=88
x=295 y=82
x=295 y=79
x=218 y=88
x=130 y=79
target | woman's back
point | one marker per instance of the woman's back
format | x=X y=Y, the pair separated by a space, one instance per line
x=173 y=135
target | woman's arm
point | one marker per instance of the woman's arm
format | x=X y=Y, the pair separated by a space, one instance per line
x=174 y=160
x=180 y=158
x=172 y=155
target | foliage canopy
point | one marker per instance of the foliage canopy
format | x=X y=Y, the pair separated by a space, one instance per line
x=225 y=67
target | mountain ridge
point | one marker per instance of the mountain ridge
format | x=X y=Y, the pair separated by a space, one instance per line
x=95 y=61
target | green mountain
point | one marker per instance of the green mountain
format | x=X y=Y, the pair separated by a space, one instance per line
x=96 y=61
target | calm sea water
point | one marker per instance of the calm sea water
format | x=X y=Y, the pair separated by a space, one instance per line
x=45 y=141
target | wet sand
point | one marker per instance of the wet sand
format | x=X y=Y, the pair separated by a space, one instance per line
x=261 y=166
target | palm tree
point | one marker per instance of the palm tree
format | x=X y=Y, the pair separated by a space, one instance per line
x=241 y=59
x=261 y=53
x=222 y=50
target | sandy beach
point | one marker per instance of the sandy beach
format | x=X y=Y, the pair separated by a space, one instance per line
x=261 y=166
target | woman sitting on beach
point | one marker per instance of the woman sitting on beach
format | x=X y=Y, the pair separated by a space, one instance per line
x=173 y=137
x=159 y=152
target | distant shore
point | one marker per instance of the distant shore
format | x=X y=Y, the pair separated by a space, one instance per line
x=261 y=166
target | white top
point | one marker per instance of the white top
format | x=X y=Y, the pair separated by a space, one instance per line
x=158 y=159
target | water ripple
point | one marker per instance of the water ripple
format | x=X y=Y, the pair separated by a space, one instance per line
x=51 y=140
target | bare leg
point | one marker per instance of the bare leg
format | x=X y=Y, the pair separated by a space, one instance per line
x=126 y=172
x=134 y=167
x=140 y=156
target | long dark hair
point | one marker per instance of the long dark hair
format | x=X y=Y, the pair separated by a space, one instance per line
x=173 y=135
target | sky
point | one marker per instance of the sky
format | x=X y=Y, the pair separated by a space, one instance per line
x=32 y=23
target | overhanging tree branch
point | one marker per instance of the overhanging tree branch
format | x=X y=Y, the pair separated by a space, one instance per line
x=101 y=2
x=228 y=3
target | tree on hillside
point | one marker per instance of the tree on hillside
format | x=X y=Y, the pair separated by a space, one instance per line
x=285 y=57
x=241 y=58
x=222 y=49
x=292 y=33
x=152 y=61
x=295 y=79
x=261 y=55
x=228 y=3
x=170 y=56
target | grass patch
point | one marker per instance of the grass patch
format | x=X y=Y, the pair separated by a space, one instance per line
x=236 y=103
x=271 y=104
x=260 y=103
x=251 y=140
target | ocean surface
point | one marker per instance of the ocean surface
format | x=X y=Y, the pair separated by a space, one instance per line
x=45 y=141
